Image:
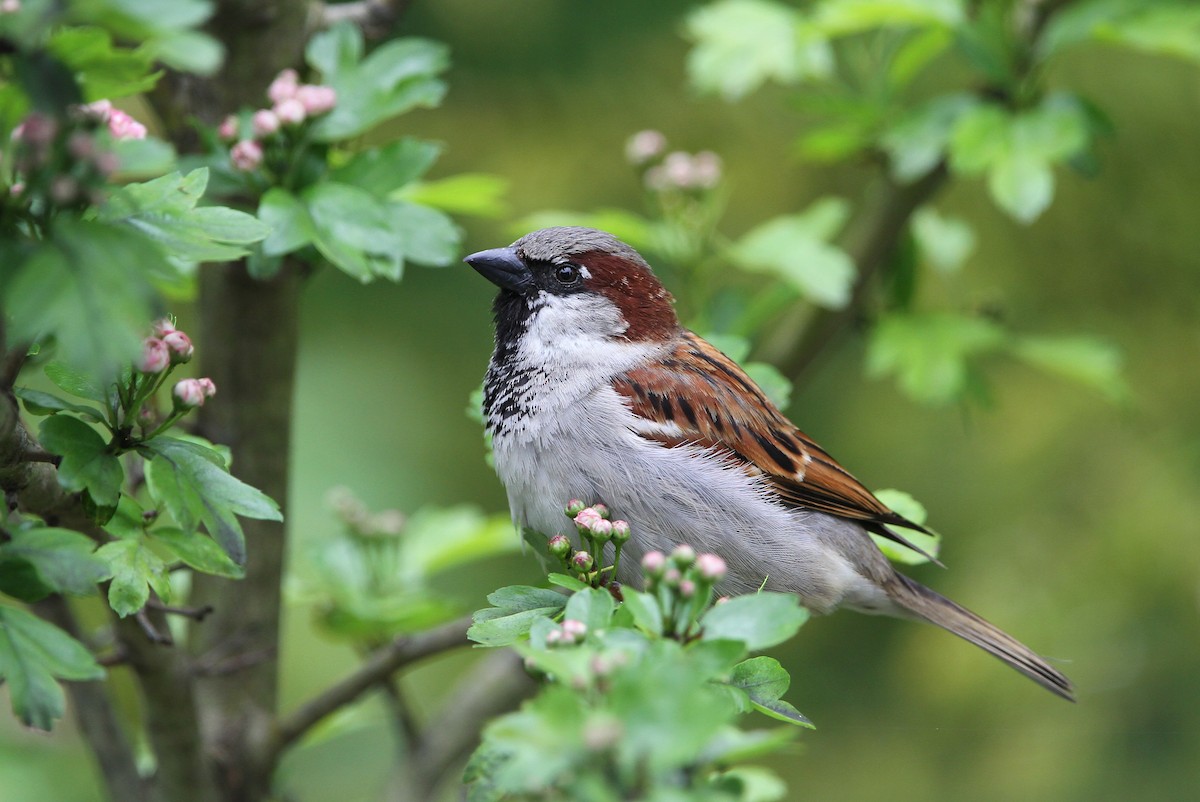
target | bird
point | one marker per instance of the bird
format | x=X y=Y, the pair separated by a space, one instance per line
x=596 y=391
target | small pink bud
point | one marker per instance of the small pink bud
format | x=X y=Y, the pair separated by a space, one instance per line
x=290 y=111
x=654 y=563
x=584 y=520
x=554 y=636
x=574 y=630
x=163 y=326
x=559 y=546
x=122 y=126
x=228 y=129
x=602 y=530
x=264 y=122
x=155 y=356
x=687 y=588
x=64 y=189
x=644 y=146
x=683 y=556
x=98 y=109
x=180 y=346
x=672 y=577
x=601 y=510
x=284 y=86
x=107 y=163
x=208 y=387
x=17 y=188
x=10 y=6
x=81 y=146
x=188 y=393
x=582 y=561
x=721 y=600
x=246 y=155
x=678 y=169
x=316 y=99
x=573 y=508
x=38 y=129
x=706 y=169
x=711 y=567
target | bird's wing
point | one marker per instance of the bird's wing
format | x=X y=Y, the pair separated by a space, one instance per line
x=735 y=418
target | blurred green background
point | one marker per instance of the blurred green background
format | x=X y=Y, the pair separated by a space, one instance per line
x=1070 y=522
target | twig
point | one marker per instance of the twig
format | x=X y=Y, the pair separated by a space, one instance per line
x=378 y=666
x=494 y=686
x=373 y=17
x=152 y=633
x=41 y=455
x=408 y=734
x=194 y=613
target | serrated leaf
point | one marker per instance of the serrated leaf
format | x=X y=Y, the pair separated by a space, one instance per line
x=33 y=653
x=289 y=221
x=73 y=382
x=136 y=569
x=760 y=620
x=64 y=560
x=643 y=607
x=354 y=231
x=565 y=581
x=844 y=17
x=39 y=403
x=198 y=551
x=517 y=598
x=505 y=630
x=426 y=236
x=1084 y=359
x=592 y=606
x=946 y=242
x=104 y=71
x=193 y=483
x=929 y=353
x=384 y=170
x=478 y=194
x=86 y=464
x=917 y=142
x=741 y=44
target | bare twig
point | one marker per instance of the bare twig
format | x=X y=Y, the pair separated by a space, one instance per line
x=194 y=613
x=373 y=17
x=40 y=455
x=161 y=638
x=378 y=666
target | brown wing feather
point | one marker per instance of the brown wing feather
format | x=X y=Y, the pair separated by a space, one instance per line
x=738 y=419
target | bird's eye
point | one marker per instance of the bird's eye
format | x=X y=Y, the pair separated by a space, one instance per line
x=566 y=274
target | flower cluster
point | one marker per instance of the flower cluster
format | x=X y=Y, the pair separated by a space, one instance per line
x=567 y=633
x=683 y=583
x=59 y=160
x=164 y=350
x=291 y=104
x=597 y=530
x=676 y=171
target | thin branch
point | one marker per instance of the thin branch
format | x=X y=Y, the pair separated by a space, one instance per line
x=152 y=634
x=373 y=17
x=379 y=666
x=494 y=686
x=40 y=455
x=194 y=613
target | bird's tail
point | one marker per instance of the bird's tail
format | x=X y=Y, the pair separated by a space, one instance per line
x=927 y=605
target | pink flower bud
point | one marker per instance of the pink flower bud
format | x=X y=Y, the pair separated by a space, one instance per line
x=264 y=122
x=672 y=577
x=122 y=126
x=683 y=556
x=644 y=146
x=584 y=520
x=228 y=129
x=706 y=169
x=554 y=637
x=601 y=510
x=574 y=630
x=582 y=561
x=81 y=146
x=678 y=169
x=711 y=567
x=687 y=588
x=98 y=109
x=316 y=99
x=290 y=111
x=602 y=530
x=155 y=356
x=188 y=393
x=620 y=531
x=180 y=346
x=10 y=6
x=208 y=387
x=246 y=155
x=37 y=129
x=163 y=326
x=573 y=508
x=284 y=86
x=64 y=189
x=17 y=188
x=559 y=546
x=654 y=562
x=107 y=163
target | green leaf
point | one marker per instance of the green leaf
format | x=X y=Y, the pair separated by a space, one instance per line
x=844 y=17
x=142 y=158
x=33 y=653
x=946 y=242
x=643 y=607
x=188 y=51
x=929 y=353
x=289 y=221
x=354 y=231
x=198 y=552
x=751 y=784
x=913 y=510
x=741 y=44
x=63 y=560
x=73 y=382
x=1087 y=360
x=436 y=539
x=517 y=598
x=795 y=248
x=1022 y=184
x=478 y=194
x=135 y=570
x=980 y=137
x=764 y=681
x=917 y=142
x=565 y=581
x=426 y=236
x=760 y=620
x=86 y=463
x=1166 y=28
x=384 y=170
x=593 y=606
x=38 y=403
x=396 y=77
x=194 y=484
x=916 y=53
x=165 y=210
x=103 y=70
x=505 y=630
x=88 y=286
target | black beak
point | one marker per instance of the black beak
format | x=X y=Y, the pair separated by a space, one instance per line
x=502 y=267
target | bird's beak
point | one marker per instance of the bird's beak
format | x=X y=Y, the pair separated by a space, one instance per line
x=502 y=267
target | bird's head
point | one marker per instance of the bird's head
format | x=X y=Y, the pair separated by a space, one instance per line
x=577 y=282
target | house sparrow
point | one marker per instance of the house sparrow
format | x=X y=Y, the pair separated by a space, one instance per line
x=595 y=391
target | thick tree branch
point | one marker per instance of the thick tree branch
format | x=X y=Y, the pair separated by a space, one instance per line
x=380 y=665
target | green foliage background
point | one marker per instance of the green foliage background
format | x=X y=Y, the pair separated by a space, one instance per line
x=1067 y=520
